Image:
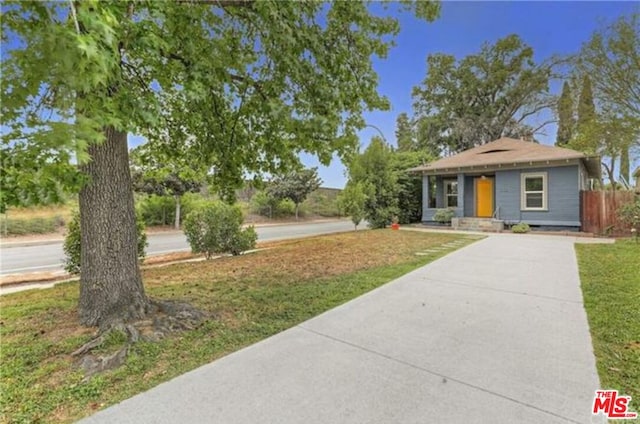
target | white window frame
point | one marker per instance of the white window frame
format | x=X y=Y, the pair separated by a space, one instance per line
x=447 y=196
x=523 y=192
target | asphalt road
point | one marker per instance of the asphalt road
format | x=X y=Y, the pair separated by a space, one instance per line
x=49 y=257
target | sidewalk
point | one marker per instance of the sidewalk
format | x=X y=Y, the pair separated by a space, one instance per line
x=493 y=333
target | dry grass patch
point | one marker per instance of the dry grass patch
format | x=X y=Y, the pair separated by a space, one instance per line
x=33 y=277
x=247 y=298
x=41 y=212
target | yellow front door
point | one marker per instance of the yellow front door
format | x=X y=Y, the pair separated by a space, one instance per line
x=484 y=197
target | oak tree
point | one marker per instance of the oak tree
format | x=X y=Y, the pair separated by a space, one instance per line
x=483 y=96
x=254 y=82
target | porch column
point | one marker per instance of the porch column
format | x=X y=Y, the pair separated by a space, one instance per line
x=460 y=208
x=425 y=196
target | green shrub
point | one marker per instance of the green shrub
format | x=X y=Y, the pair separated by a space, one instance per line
x=444 y=215
x=286 y=207
x=263 y=204
x=521 y=228
x=217 y=228
x=630 y=215
x=266 y=205
x=71 y=246
x=161 y=210
x=157 y=210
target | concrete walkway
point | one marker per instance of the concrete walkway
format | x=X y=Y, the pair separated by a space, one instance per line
x=493 y=333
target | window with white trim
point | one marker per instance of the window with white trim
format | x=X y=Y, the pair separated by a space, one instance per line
x=534 y=191
x=451 y=193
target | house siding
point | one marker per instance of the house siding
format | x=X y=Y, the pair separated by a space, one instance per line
x=428 y=213
x=469 y=201
x=563 y=197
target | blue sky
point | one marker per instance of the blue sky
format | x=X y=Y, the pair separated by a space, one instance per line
x=548 y=27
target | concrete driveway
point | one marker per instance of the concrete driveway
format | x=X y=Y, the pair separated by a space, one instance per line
x=493 y=333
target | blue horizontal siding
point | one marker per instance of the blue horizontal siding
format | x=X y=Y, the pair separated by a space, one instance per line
x=563 y=201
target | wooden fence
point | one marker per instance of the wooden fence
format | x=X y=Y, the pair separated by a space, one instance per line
x=598 y=211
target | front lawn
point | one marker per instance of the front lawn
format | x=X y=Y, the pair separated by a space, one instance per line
x=248 y=298
x=610 y=276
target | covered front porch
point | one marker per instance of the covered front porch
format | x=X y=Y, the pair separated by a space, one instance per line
x=469 y=195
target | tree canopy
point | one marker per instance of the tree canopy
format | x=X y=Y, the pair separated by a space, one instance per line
x=253 y=83
x=611 y=58
x=404 y=133
x=483 y=96
x=373 y=171
x=295 y=186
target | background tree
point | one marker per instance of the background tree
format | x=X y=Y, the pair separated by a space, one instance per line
x=352 y=202
x=156 y=173
x=566 y=120
x=586 y=105
x=295 y=186
x=404 y=133
x=255 y=83
x=430 y=136
x=607 y=133
x=612 y=58
x=484 y=96
x=408 y=187
x=373 y=170
x=607 y=136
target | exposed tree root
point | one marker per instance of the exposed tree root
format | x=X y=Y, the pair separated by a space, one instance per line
x=162 y=319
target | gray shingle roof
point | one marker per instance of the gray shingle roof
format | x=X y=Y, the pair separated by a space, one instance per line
x=507 y=151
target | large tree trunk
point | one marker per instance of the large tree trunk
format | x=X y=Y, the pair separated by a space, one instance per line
x=110 y=283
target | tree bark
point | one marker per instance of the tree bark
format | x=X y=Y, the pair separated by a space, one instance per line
x=611 y=173
x=111 y=287
x=177 y=223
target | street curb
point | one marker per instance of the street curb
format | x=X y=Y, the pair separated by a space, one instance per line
x=30 y=243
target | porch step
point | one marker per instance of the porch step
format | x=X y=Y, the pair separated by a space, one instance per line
x=477 y=224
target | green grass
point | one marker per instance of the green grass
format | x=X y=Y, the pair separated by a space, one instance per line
x=610 y=275
x=249 y=298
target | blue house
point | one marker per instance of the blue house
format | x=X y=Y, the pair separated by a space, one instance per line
x=508 y=181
